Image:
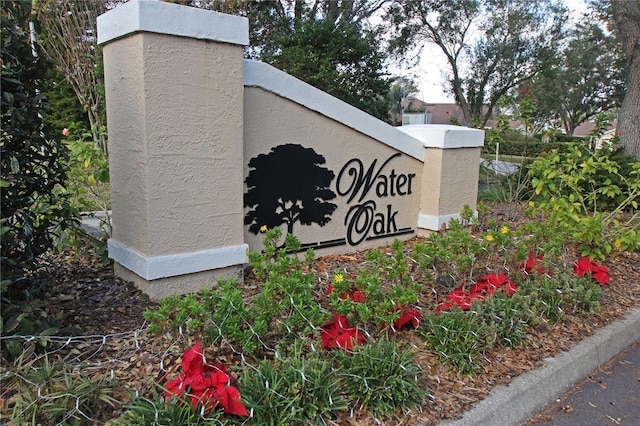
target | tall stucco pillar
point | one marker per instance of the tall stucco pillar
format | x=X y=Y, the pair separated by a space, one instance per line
x=174 y=95
x=450 y=172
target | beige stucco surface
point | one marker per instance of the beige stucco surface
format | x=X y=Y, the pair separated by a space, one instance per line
x=174 y=108
x=270 y=120
x=450 y=180
x=180 y=284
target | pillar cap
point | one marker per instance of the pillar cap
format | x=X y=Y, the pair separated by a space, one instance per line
x=159 y=17
x=445 y=136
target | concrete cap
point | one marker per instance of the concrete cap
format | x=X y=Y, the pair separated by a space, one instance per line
x=156 y=16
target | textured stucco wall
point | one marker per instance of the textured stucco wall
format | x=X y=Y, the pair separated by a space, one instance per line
x=271 y=120
x=175 y=129
x=450 y=179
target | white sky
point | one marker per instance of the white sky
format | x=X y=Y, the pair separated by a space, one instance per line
x=428 y=74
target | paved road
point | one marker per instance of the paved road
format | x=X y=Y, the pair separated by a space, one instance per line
x=610 y=396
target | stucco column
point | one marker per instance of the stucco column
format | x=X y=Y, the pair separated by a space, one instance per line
x=174 y=95
x=450 y=173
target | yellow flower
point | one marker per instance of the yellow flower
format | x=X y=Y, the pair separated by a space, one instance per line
x=489 y=237
x=87 y=163
x=538 y=190
x=338 y=278
x=532 y=204
x=504 y=229
x=263 y=228
x=617 y=244
x=91 y=180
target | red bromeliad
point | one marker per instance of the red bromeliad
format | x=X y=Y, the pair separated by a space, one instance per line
x=408 y=317
x=206 y=384
x=584 y=266
x=485 y=287
x=338 y=334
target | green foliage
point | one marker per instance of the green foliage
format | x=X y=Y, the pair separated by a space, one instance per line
x=63 y=107
x=153 y=409
x=586 y=194
x=88 y=175
x=298 y=388
x=53 y=393
x=285 y=305
x=341 y=60
x=551 y=297
x=508 y=317
x=32 y=162
x=380 y=300
x=452 y=253
x=382 y=377
x=458 y=338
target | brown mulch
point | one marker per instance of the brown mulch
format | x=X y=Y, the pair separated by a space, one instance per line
x=112 y=336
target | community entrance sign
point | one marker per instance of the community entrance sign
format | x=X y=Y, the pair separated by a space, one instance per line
x=207 y=150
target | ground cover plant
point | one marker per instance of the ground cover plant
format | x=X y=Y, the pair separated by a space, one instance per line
x=415 y=330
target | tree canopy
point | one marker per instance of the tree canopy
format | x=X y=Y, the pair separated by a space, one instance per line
x=491 y=46
x=326 y=43
x=584 y=79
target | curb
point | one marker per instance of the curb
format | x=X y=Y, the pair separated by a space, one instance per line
x=529 y=393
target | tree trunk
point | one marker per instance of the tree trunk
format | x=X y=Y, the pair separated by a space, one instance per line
x=626 y=14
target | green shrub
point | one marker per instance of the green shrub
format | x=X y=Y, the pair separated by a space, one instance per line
x=458 y=338
x=587 y=194
x=32 y=161
x=153 y=409
x=298 y=388
x=286 y=306
x=54 y=393
x=382 y=377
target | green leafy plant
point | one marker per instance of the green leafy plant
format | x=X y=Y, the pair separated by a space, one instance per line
x=381 y=377
x=458 y=338
x=587 y=193
x=451 y=253
x=31 y=159
x=286 y=306
x=154 y=409
x=51 y=392
x=296 y=388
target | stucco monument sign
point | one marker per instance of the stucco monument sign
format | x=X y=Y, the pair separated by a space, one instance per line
x=207 y=149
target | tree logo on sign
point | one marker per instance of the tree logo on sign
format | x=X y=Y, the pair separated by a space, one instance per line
x=286 y=186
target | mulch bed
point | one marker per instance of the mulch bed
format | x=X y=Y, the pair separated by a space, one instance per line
x=112 y=336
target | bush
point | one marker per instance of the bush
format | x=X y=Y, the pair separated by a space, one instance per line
x=299 y=388
x=32 y=164
x=382 y=377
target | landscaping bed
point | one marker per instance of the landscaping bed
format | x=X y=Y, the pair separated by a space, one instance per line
x=107 y=336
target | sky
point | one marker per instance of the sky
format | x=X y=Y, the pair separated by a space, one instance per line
x=428 y=73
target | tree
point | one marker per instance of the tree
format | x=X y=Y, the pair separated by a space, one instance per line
x=326 y=43
x=585 y=79
x=626 y=15
x=69 y=37
x=400 y=89
x=491 y=46
x=288 y=185
x=32 y=162
x=339 y=60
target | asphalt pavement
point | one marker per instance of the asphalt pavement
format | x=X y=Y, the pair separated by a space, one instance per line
x=610 y=396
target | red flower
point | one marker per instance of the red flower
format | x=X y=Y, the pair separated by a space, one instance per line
x=533 y=262
x=408 y=316
x=338 y=334
x=584 y=266
x=355 y=295
x=485 y=287
x=206 y=384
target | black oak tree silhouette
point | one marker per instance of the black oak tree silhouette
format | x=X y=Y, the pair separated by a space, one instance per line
x=288 y=185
